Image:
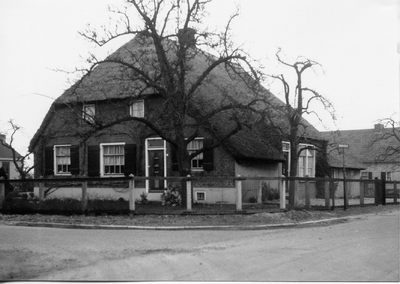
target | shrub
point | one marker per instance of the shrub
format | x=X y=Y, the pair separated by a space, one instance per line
x=171 y=196
x=269 y=193
x=143 y=198
x=253 y=199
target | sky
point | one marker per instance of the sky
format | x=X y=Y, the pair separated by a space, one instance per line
x=356 y=43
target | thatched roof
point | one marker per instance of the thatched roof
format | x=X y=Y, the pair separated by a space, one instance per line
x=110 y=81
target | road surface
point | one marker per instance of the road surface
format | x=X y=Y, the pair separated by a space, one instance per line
x=362 y=249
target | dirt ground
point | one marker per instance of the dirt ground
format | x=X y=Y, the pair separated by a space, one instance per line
x=293 y=216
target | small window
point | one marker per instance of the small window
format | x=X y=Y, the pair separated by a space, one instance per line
x=388 y=176
x=137 y=109
x=200 y=196
x=366 y=175
x=89 y=112
x=62 y=160
x=193 y=146
x=285 y=146
x=112 y=159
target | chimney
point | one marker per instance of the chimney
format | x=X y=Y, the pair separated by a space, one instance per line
x=187 y=37
x=378 y=128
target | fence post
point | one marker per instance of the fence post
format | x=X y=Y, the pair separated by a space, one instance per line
x=395 y=192
x=132 y=193
x=383 y=182
x=332 y=191
x=188 y=194
x=84 y=196
x=282 y=187
x=307 y=193
x=259 y=192
x=238 y=193
x=2 y=193
x=362 y=192
x=326 y=191
x=377 y=192
x=41 y=190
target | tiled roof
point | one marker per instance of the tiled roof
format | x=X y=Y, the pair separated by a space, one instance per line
x=364 y=145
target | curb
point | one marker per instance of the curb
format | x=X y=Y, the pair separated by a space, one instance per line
x=170 y=228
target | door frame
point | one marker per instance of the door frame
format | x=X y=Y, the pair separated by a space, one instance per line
x=161 y=148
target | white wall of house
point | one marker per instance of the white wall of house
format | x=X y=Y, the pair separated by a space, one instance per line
x=250 y=187
x=377 y=169
x=210 y=195
x=352 y=187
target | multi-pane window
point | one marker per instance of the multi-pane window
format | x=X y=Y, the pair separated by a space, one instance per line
x=193 y=146
x=89 y=112
x=113 y=158
x=286 y=154
x=388 y=176
x=366 y=175
x=62 y=159
x=306 y=161
x=137 y=109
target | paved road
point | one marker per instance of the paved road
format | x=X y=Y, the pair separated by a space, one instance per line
x=364 y=249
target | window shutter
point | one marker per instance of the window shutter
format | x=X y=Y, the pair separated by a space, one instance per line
x=74 y=160
x=130 y=159
x=208 y=156
x=174 y=159
x=48 y=161
x=94 y=161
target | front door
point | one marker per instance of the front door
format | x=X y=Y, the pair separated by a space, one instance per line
x=155 y=164
x=156 y=169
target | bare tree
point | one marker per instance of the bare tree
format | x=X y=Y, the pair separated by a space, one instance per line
x=172 y=35
x=297 y=103
x=390 y=138
x=20 y=161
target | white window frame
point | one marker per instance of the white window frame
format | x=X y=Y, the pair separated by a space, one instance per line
x=102 y=165
x=198 y=157
x=147 y=149
x=287 y=150
x=306 y=166
x=201 y=192
x=89 y=112
x=56 y=173
x=136 y=108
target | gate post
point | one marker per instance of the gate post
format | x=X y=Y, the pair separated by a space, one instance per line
x=282 y=193
x=132 y=193
x=41 y=190
x=2 y=193
x=84 y=196
x=188 y=194
x=326 y=191
x=362 y=192
x=238 y=193
x=378 y=196
x=332 y=188
x=307 y=193
x=383 y=181
x=259 y=192
x=395 y=189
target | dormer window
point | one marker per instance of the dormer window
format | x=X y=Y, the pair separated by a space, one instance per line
x=89 y=112
x=137 y=109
